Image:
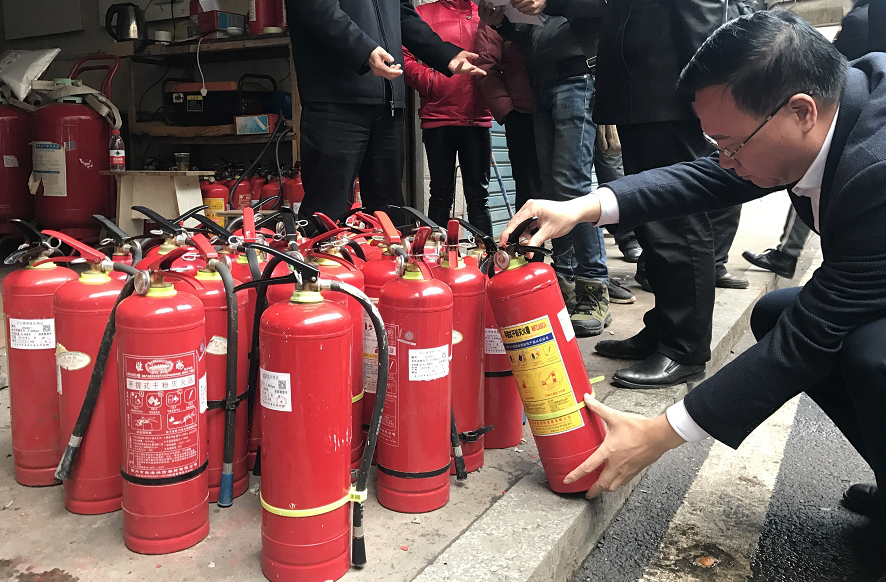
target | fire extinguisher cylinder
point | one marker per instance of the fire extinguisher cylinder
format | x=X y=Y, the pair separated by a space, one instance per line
x=69 y=457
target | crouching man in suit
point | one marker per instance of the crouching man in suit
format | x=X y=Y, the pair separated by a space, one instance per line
x=784 y=110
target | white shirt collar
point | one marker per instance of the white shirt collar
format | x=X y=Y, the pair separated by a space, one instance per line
x=814 y=176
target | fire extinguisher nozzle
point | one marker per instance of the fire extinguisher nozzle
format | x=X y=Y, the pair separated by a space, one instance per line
x=358 y=553
x=226 y=490
x=63 y=471
x=461 y=472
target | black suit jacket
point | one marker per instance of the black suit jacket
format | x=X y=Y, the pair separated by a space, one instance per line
x=332 y=40
x=847 y=291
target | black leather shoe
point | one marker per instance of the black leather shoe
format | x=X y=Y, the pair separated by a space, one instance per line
x=630 y=251
x=657 y=371
x=643 y=281
x=782 y=264
x=726 y=280
x=861 y=498
x=629 y=349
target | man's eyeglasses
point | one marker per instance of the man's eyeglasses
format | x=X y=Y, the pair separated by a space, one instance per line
x=732 y=153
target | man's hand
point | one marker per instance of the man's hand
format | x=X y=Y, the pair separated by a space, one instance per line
x=491 y=15
x=554 y=218
x=460 y=65
x=378 y=64
x=633 y=442
x=530 y=7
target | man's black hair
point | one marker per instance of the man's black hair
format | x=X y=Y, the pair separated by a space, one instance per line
x=764 y=58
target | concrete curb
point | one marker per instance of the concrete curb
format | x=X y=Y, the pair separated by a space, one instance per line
x=534 y=536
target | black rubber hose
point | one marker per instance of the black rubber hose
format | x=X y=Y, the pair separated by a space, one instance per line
x=358 y=546
x=461 y=472
x=260 y=305
x=135 y=249
x=248 y=170
x=279 y=200
x=226 y=489
x=66 y=464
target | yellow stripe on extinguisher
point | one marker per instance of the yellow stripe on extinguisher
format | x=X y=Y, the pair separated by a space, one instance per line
x=353 y=495
x=564 y=412
x=358 y=397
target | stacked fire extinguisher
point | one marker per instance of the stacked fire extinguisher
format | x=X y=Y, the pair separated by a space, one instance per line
x=180 y=368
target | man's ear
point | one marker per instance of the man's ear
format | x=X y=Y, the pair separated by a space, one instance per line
x=805 y=110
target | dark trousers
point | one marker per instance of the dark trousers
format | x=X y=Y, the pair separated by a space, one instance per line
x=679 y=252
x=340 y=142
x=473 y=146
x=724 y=225
x=520 y=137
x=854 y=395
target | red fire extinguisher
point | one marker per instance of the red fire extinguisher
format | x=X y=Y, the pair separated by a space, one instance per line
x=70 y=150
x=387 y=267
x=31 y=333
x=468 y=287
x=82 y=307
x=414 y=441
x=215 y=197
x=161 y=369
x=294 y=192
x=546 y=362
x=304 y=519
x=225 y=483
x=255 y=185
x=503 y=408
x=15 y=141
x=270 y=190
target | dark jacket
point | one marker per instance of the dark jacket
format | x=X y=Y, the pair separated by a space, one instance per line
x=332 y=41
x=556 y=49
x=844 y=293
x=453 y=101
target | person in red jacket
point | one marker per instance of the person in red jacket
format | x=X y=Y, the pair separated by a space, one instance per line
x=454 y=118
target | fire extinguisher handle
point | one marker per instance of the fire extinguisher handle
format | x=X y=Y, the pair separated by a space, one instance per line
x=114 y=232
x=325 y=221
x=390 y=232
x=165 y=225
x=514 y=237
x=161 y=262
x=310 y=243
x=34 y=236
x=352 y=212
x=203 y=246
x=85 y=251
x=418 y=216
x=418 y=252
x=307 y=271
x=192 y=213
x=213 y=227
x=487 y=239
x=248 y=227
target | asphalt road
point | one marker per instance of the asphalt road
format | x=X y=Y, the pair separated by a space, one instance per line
x=768 y=512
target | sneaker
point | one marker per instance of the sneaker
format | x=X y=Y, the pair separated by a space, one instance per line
x=567 y=288
x=619 y=293
x=591 y=314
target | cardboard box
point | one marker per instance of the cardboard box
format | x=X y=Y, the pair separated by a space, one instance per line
x=255 y=124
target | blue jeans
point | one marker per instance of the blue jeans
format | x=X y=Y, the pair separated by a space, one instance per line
x=564 y=139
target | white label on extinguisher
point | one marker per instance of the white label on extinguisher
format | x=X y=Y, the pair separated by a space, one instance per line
x=58 y=378
x=162 y=408
x=31 y=334
x=276 y=391
x=370 y=353
x=251 y=10
x=10 y=162
x=218 y=346
x=566 y=324
x=204 y=394
x=50 y=167
x=428 y=364
x=492 y=341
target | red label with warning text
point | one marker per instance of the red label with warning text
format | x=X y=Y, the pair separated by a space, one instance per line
x=161 y=410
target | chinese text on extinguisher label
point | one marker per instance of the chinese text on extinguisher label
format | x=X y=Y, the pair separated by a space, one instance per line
x=388 y=430
x=31 y=334
x=161 y=405
x=276 y=391
x=541 y=376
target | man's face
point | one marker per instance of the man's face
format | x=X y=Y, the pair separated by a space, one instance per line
x=774 y=156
